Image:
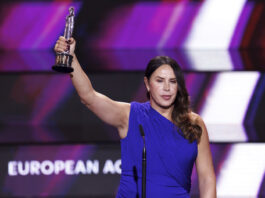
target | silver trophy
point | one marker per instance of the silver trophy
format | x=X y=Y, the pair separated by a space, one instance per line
x=63 y=60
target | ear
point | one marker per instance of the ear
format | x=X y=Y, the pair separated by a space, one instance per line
x=146 y=82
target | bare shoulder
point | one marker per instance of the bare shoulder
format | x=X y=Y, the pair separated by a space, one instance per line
x=196 y=119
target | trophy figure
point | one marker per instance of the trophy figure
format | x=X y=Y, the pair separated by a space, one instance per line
x=64 y=59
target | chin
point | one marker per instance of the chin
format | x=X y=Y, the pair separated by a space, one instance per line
x=166 y=104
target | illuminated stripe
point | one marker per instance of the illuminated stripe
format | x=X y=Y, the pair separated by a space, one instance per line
x=39 y=24
x=60 y=10
x=242 y=172
x=178 y=10
x=210 y=60
x=215 y=24
x=226 y=105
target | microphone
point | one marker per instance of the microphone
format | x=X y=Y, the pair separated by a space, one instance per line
x=143 y=163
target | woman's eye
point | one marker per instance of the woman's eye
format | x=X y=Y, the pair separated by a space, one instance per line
x=159 y=80
x=173 y=81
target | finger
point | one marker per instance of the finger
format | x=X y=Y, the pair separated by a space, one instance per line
x=58 y=49
x=61 y=47
x=61 y=43
x=61 y=38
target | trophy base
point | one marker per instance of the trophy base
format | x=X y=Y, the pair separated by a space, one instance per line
x=62 y=68
x=63 y=63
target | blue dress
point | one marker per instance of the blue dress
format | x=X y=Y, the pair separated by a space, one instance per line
x=169 y=156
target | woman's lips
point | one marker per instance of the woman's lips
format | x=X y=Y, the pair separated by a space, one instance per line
x=166 y=97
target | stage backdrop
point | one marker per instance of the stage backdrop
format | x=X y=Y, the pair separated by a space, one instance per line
x=52 y=146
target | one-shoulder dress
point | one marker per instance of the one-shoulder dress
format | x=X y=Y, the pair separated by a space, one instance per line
x=169 y=156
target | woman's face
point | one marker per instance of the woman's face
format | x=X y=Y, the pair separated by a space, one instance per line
x=162 y=87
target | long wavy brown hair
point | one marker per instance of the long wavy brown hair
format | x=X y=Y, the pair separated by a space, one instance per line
x=180 y=114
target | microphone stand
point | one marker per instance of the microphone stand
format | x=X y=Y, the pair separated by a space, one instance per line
x=143 y=163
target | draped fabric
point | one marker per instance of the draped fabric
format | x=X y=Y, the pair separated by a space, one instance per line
x=170 y=157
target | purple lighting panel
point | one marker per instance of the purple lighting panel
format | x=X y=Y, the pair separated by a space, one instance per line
x=125 y=35
x=148 y=25
x=31 y=26
x=145 y=25
x=181 y=24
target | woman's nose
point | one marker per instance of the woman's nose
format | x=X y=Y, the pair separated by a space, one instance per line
x=166 y=86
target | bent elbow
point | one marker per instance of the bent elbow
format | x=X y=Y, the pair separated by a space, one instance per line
x=87 y=99
x=83 y=101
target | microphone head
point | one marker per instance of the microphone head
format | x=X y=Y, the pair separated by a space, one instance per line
x=141 y=130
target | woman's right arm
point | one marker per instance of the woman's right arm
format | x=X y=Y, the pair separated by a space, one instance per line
x=112 y=112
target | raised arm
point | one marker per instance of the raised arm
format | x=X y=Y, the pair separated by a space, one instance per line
x=110 y=111
x=204 y=164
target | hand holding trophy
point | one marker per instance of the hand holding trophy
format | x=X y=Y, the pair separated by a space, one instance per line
x=64 y=59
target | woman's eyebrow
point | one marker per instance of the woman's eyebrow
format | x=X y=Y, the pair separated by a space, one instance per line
x=164 y=78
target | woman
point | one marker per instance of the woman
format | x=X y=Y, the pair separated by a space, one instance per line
x=175 y=136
